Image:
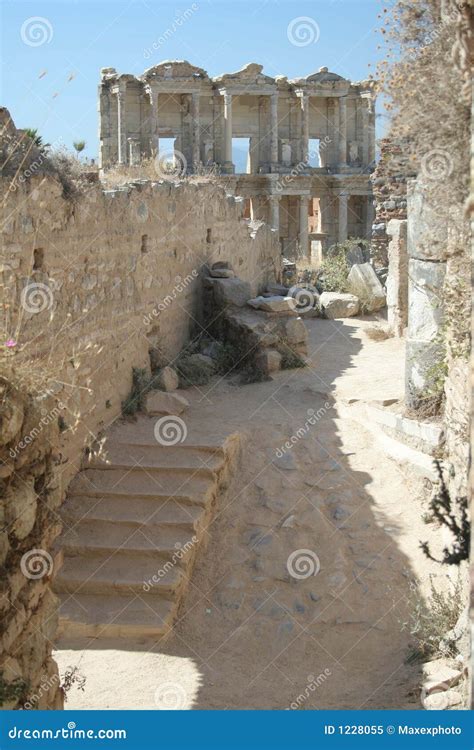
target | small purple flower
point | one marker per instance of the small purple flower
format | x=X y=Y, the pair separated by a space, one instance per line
x=10 y=343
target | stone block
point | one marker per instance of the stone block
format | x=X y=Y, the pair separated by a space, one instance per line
x=21 y=503
x=167 y=379
x=363 y=282
x=427 y=230
x=295 y=331
x=160 y=402
x=425 y=309
x=268 y=360
x=272 y=304
x=339 y=305
x=231 y=292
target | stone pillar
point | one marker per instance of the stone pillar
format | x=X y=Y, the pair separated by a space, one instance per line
x=228 y=133
x=369 y=217
x=365 y=133
x=275 y=212
x=274 y=130
x=121 y=128
x=342 y=131
x=303 y=227
x=371 y=131
x=304 y=128
x=342 y=218
x=427 y=240
x=397 y=279
x=196 y=130
x=154 y=123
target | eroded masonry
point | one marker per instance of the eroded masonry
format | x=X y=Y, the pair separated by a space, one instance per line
x=299 y=151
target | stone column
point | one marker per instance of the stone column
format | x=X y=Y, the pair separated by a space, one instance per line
x=196 y=131
x=365 y=133
x=228 y=132
x=275 y=212
x=342 y=218
x=304 y=128
x=154 y=123
x=274 y=130
x=397 y=279
x=121 y=127
x=371 y=131
x=369 y=217
x=303 y=227
x=342 y=131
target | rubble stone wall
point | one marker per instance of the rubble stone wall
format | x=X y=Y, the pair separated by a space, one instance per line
x=91 y=285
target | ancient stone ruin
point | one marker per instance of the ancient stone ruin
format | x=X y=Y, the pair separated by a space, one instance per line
x=310 y=142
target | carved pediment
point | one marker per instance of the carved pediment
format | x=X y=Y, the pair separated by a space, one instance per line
x=250 y=73
x=324 y=76
x=175 y=70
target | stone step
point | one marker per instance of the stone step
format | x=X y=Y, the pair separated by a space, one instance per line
x=94 y=615
x=194 y=460
x=159 y=510
x=141 y=482
x=167 y=542
x=120 y=572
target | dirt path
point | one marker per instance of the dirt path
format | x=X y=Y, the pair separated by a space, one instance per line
x=299 y=598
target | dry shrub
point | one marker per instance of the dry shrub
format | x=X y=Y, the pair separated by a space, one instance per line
x=377 y=333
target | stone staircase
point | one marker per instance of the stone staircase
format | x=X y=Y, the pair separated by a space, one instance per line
x=134 y=520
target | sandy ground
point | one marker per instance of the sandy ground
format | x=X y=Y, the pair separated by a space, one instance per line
x=299 y=598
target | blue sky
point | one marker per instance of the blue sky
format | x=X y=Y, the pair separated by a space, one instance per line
x=53 y=50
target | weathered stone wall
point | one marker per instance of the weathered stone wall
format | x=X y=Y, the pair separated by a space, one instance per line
x=91 y=286
x=28 y=502
x=389 y=182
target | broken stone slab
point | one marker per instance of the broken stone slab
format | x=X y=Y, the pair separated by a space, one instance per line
x=231 y=292
x=441 y=700
x=277 y=290
x=160 y=402
x=438 y=675
x=364 y=283
x=222 y=265
x=272 y=304
x=222 y=273
x=167 y=379
x=339 y=305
